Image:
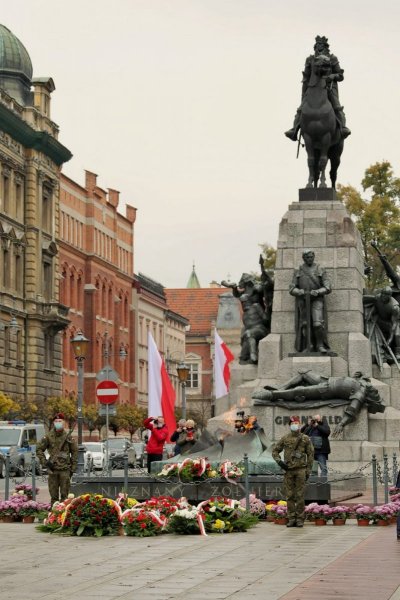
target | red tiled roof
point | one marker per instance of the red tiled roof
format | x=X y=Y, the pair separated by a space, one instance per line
x=198 y=305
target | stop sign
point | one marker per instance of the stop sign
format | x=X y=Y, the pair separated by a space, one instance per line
x=107 y=392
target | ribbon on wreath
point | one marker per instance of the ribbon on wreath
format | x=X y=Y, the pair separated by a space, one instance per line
x=224 y=469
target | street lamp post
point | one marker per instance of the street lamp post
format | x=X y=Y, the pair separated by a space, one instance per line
x=80 y=345
x=183 y=372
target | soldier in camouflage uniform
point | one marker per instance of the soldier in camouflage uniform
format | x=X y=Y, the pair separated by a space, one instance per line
x=62 y=461
x=297 y=463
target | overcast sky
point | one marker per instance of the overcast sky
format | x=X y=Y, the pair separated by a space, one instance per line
x=181 y=106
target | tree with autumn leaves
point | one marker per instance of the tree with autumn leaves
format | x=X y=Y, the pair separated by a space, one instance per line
x=376 y=212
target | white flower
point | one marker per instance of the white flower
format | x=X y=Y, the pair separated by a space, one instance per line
x=71 y=496
x=213 y=509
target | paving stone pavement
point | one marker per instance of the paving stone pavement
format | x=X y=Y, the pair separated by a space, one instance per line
x=268 y=562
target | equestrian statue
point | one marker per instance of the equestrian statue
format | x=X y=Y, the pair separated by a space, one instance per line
x=320 y=117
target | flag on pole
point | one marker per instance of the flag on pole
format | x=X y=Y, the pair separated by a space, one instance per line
x=161 y=392
x=222 y=373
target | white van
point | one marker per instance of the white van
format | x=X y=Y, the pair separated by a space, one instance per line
x=20 y=440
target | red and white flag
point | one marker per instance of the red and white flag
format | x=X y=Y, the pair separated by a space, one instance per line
x=222 y=373
x=161 y=392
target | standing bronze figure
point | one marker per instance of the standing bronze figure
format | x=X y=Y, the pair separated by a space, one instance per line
x=310 y=284
x=320 y=117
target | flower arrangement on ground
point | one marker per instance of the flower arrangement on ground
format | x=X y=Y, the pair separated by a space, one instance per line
x=384 y=512
x=141 y=522
x=363 y=512
x=340 y=512
x=230 y=512
x=256 y=506
x=186 y=521
x=86 y=515
x=315 y=511
x=230 y=470
x=280 y=511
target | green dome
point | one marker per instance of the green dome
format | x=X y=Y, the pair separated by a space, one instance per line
x=14 y=59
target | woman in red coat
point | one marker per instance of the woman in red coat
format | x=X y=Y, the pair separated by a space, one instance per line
x=158 y=437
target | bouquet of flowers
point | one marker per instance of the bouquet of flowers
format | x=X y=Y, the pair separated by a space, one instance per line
x=164 y=505
x=230 y=470
x=257 y=506
x=140 y=522
x=186 y=521
x=315 y=511
x=189 y=470
x=230 y=513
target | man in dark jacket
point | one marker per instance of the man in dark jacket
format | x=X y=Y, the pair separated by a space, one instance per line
x=319 y=431
x=158 y=437
x=62 y=461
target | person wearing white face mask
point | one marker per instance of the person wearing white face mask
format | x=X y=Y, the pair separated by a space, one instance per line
x=298 y=457
x=62 y=461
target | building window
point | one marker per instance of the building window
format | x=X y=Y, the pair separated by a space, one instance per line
x=19 y=198
x=19 y=348
x=19 y=271
x=47 y=200
x=6 y=264
x=49 y=351
x=6 y=345
x=193 y=378
x=5 y=181
x=47 y=282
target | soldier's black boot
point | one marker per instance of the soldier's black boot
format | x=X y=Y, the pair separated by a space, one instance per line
x=342 y=121
x=299 y=524
x=291 y=524
x=292 y=133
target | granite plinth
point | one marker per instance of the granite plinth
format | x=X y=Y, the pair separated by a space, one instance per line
x=142 y=488
x=317 y=194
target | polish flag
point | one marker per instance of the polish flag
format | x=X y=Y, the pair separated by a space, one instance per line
x=161 y=392
x=222 y=373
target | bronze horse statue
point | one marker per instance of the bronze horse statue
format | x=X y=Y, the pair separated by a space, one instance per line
x=320 y=128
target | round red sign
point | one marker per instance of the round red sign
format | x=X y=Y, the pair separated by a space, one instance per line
x=107 y=392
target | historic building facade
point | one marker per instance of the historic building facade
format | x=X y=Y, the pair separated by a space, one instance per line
x=168 y=329
x=31 y=314
x=96 y=281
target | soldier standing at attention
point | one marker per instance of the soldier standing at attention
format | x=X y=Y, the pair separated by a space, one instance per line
x=297 y=463
x=63 y=457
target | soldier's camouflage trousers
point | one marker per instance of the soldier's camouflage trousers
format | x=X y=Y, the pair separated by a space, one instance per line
x=59 y=483
x=294 y=483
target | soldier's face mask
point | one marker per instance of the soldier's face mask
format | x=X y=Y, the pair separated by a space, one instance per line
x=58 y=425
x=294 y=427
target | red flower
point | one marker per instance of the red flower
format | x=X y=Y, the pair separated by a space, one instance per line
x=143 y=525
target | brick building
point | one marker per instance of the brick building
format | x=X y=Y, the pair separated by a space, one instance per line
x=96 y=279
x=31 y=314
x=200 y=307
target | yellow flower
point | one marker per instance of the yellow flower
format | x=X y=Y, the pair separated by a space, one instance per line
x=218 y=524
x=269 y=506
x=211 y=473
x=282 y=503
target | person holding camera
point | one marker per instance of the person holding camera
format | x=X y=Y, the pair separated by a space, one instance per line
x=319 y=431
x=174 y=437
x=188 y=437
x=158 y=437
x=297 y=464
x=62 y=461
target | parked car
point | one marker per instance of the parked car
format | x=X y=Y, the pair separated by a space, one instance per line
x=20 y=440
x=141 y=454
x=95 y=454
x=117 y=447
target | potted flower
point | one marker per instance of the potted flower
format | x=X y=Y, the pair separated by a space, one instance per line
x=140 y=522
x=281 y=515
x=340 y=514
x=319 y=513
x=364 y=514
x=7 y=511
x=256 y=506
x=28 y=511
x=382 y=514
x=25 y=489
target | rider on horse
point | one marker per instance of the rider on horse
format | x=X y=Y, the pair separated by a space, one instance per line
x=334 y=74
